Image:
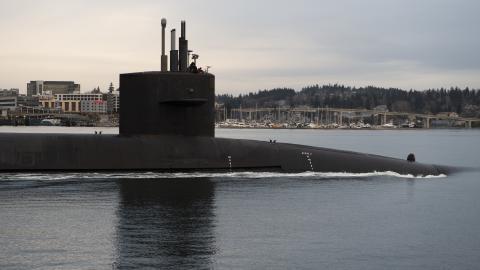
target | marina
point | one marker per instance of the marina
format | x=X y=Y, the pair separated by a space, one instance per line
x=328 y=118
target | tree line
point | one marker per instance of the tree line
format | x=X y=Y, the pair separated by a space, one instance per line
x=465 y=102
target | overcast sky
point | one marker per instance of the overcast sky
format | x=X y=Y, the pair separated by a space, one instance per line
x=250 y=45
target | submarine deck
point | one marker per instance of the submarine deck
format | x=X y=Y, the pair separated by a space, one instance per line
x=79 y=152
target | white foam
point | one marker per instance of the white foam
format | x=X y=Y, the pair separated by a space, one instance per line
x=180 y=175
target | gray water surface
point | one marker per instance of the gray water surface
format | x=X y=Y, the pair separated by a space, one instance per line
x=148 y=220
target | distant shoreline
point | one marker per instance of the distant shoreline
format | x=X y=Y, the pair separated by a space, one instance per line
x=258 y=127
x=357 y=129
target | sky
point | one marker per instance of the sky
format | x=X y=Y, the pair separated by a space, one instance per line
x=250 y=45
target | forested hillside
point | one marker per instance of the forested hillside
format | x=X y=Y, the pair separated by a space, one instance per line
x=465 y=102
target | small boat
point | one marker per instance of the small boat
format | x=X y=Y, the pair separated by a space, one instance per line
x=50 y=122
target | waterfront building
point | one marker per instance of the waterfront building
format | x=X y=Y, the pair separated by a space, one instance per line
x=81 y=103
x=55 y=87
x=9 y=92
x=26 y=101
x=8 y=103
x=80 y=97
x=75 y=103
x=47 y=100
x=50 y=102
x=85 y=103
x=113 y=103
x=93 y=106
x=70 y=106
x=12 y=102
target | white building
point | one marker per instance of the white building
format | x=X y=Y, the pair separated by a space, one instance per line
x=83 y=103
x=93 y=106
x=80 y=97
x=8 y=103
x=87 y=103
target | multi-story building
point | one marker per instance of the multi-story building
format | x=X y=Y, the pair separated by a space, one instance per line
x=11 y=103
x=55 y=87
x=72 y=106
x=27 y=101
x=8 y=103
x=10 y=100
x=82 y=103
x=113 y=103
x=93 y=106
x=47 y=101
x=87 y=103
x=9 y=92
x=34 y=88
x=81 y=97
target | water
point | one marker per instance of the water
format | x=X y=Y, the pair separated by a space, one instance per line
x=249 y=220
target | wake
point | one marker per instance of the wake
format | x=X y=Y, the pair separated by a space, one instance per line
x=189 y=175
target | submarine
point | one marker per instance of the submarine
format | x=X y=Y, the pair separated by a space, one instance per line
x=167 y=123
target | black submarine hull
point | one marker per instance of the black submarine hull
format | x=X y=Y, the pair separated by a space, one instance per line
x=79 y=152
x=167 y=122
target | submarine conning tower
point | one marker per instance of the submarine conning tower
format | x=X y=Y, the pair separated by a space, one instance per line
x=176 y=102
